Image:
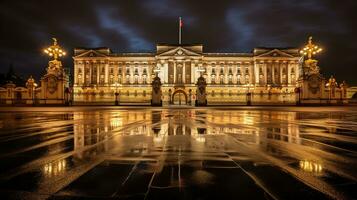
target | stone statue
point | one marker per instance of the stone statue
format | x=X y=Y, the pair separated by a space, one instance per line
x=201 y=92
x=156 y=92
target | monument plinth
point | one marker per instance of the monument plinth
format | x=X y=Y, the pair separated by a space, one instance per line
x=55 y=81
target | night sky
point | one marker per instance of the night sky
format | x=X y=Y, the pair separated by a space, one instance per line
x=27 y=26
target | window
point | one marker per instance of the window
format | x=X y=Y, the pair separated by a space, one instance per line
x=222 y=71
x=246 y=70
x=247 y=79
x=221 y=79
x=144 y=79
x=128 y=71
x=111 y=79
x=80 y=79
x=213 y=71
x=213 y=79
x=238 y=71
x=145 y=71
x=102 y=70
x=111 y=70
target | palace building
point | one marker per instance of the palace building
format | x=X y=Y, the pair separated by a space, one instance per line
x=182 y=75
x=268 y=75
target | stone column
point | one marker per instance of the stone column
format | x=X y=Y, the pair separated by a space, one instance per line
x=273 y=72
x=98 y=72
x=251 y=73
x=184 y=72
x=193 y=71
x=265 y=70
x=106 y=75
x=281 y=67
x=166 y=67
x=175 y=72
x=257 y=67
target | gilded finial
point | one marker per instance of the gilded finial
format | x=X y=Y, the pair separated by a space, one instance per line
x=310 y=40
x=54 y=41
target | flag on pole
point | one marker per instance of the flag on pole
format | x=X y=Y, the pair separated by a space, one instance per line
x=180 y=26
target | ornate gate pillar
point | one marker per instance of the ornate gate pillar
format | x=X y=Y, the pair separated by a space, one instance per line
x=156 y=92
x=201 y=96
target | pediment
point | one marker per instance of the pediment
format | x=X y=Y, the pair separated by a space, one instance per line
x=91 y=53
x=275 y=53
x=179 y=51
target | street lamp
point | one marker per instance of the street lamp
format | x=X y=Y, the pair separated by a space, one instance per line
x=310 y=49
x=249 y=95
x=34 y=93
x=116 y=93
x=55 y=50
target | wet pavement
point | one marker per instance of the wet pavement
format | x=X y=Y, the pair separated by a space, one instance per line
x=178 y=153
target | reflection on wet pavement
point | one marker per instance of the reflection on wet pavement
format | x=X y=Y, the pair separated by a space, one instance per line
x=178 y=154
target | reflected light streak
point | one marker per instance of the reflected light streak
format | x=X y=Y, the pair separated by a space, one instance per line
x=310 y=166
x=54 y=168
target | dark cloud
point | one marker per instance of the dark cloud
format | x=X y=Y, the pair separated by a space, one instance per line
x=27 y=26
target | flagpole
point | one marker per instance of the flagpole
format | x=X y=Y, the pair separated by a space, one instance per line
x=179 y=30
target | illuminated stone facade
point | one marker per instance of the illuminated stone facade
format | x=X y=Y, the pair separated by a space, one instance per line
x=269 y=75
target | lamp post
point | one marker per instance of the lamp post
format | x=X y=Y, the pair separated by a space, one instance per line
x=249 y=95
x=116 y=94
x=298 y=91
x=55 y=50
x=310 y=49
x=34 y=93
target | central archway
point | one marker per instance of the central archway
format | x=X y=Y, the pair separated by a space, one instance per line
x=179 y=97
